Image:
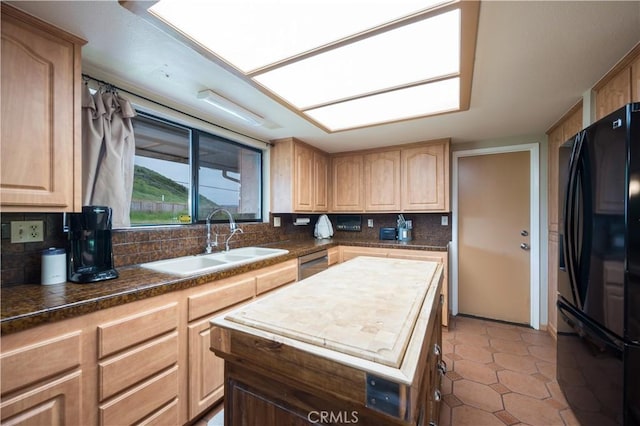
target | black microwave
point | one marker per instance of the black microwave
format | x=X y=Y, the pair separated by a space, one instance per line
x=351 y=222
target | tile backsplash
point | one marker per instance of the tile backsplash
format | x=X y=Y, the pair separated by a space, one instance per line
x=20 y=263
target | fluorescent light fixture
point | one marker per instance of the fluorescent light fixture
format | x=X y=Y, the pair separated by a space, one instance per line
x=231 y=108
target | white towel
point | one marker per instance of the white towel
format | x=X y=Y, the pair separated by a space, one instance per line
x=323 y=228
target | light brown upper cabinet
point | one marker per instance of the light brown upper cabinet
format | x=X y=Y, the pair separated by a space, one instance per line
x=299 y=176
x=321 y=179
x=425 y=176
x=411 y=178
x=347 y=186
x=382 y=181
x=566 y=127
x=635 y=80
x=41 y=133
x=620 y=85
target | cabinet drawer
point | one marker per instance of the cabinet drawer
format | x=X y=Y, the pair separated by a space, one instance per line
x=142 y=400
x=352 y=252
x=221 y=297
x=29 y=364
x=121 y=334
x=166 y=416
x=136 y=365
x=276 y=276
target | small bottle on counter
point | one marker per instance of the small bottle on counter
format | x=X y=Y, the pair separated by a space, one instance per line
x=54 y=266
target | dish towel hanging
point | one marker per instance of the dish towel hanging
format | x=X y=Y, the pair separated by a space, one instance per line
x=323 y=229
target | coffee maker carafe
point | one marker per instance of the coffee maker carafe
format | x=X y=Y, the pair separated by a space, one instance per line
x=90 y=250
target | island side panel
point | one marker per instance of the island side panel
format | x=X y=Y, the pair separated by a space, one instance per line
x=257 y=398
x=423 y=391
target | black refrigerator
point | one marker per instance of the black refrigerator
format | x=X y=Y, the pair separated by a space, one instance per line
x=598 y=304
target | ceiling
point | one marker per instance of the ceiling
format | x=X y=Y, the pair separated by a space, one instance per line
x=534 y=60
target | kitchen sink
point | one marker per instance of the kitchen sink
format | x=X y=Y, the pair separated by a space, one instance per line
x=202 y=263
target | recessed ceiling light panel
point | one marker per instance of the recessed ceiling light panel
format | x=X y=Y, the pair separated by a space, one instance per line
x=342 y=64
x=413 y=102
x=399 y=57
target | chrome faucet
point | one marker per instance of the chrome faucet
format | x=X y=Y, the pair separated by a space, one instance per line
x=232 y=226
x=226 y=244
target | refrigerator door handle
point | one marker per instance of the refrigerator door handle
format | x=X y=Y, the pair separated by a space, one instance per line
x=585 y=327
x=569 y=216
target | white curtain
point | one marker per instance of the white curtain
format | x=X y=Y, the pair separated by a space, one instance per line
x=108 y=149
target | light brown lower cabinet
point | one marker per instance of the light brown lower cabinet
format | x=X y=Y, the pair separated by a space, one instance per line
x=333 y=256
x=55 y=402
x=349 y=252
x=146 y=362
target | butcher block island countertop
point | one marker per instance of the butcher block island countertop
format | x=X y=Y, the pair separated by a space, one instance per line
x=358 y=343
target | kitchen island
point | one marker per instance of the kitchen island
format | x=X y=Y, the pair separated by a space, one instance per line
x=356 y=344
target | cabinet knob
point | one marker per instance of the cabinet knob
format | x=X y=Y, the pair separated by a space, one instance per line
x=437 y=395
x=436 y=349
x=524 y=246
x=442 y=367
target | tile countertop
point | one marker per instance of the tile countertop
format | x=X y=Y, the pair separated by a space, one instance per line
x=28 y=305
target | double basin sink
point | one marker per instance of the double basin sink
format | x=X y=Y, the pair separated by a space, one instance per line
x=205 y=263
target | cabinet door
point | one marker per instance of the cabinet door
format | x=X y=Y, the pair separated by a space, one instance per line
x=320 y=184
x=206 y=371
x=554 y=140
x=54 y=403
x=382 y=181
x=425 y=177
x=635 y=80
x=303 y=178
x=615 y=94
x=552 y=274
x=40 y=118
x=346 y=177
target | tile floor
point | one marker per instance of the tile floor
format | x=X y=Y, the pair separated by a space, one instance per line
x=498 y=374
x=214 y=417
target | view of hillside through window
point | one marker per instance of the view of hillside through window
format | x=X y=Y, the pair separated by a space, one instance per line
x=229 y=175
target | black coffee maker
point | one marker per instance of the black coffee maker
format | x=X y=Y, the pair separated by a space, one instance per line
x=90 y=250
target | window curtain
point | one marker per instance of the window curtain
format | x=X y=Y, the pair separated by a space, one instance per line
x=108 y=149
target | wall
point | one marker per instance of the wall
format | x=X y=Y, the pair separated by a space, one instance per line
x=20 y=263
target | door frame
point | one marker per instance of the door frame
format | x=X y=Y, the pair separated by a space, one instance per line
x=534 y=214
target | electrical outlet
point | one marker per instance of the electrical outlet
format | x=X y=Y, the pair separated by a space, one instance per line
x=444 y=220
x=370 y=223
x=276 y=222
x=27 y=231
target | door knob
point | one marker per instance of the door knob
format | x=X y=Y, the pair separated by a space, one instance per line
x=524 y=246
x=524 y=233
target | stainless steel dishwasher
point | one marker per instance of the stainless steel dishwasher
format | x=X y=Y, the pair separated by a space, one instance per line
x=313 y=263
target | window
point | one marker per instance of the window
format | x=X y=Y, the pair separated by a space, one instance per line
x=167 y=191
